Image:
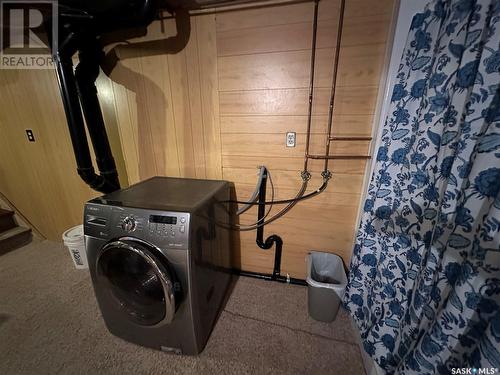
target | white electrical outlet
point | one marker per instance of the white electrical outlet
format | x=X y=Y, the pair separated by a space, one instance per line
x=290 y=139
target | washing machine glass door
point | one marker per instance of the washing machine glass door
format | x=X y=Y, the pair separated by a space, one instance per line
x=138 y=281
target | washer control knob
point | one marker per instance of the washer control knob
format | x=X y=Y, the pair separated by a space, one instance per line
x=129 y=224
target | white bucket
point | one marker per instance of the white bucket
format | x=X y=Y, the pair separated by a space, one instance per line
x=75 y=242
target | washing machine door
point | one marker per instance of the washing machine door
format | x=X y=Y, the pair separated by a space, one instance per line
x=138 y=280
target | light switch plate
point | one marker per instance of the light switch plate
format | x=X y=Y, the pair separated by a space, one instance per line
x=290 y=139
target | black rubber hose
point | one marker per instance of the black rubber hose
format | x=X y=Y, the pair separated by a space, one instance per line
x=273 y=239
x=285 y=201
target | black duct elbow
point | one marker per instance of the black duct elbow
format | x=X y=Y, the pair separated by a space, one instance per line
x=102 y=183
x=82 y=22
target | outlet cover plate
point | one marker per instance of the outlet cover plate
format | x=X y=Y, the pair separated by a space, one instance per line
x=30 y=135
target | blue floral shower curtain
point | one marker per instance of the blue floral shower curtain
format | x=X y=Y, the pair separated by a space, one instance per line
x=424 y=283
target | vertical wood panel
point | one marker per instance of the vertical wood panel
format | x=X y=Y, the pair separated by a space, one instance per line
x=195 y=102
x=110 y=116
x=39 y=178
x=175 y=110
x=181 y=113
x=206 y=37
x=127 y=132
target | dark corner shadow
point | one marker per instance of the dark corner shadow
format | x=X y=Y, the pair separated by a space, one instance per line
x=234 y=238
x=3 y=318
x=235 y=234
x=170 y=45
x=149 y=95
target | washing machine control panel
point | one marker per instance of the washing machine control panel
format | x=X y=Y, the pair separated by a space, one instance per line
x=168 y=226
x=162 y=228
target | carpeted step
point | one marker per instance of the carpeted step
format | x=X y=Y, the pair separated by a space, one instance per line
x=6 y=220
x=13 y=238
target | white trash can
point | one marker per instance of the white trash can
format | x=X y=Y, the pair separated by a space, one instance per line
x=74 y=240
x=326 y=283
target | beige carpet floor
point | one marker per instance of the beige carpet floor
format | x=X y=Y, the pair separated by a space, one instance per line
x=50 y=324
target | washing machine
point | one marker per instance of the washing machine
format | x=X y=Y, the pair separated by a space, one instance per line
x=159 y=255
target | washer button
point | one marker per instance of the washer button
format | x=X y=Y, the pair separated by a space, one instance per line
x=172 y=234
x=182 y=229
x=183 y=220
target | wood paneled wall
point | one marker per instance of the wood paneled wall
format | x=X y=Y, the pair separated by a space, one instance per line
x=38 y=178
x=263 y=69
x=167 y=102
x=212 y=97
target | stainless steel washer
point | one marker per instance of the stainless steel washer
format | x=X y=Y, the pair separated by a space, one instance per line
x=160 y=259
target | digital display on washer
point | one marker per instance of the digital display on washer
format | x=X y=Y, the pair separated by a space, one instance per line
x=163 y=219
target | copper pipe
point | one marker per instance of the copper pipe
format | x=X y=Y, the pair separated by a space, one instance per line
x=334 y=138
x=232 y=5
x=334 y=81
x=311 y=84
x=330 y=157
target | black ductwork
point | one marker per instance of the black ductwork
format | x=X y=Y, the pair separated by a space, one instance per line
x=84 y=94
x=86 y=74
x=81 y=24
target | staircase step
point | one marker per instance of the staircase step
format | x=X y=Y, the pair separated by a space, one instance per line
x=6 y=220
x=13 y=238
